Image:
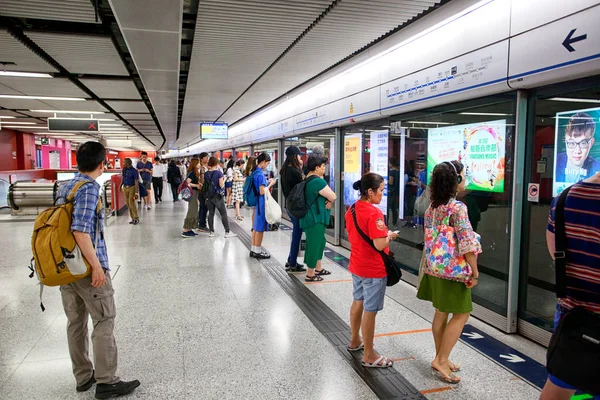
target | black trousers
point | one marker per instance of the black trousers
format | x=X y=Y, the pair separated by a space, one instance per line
x=174 y=188
x=157 y=185
x=217 y=203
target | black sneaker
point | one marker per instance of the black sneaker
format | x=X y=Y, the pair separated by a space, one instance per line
x=107 y=391
x=260 y=256
x=297 y=268
x=86 y=386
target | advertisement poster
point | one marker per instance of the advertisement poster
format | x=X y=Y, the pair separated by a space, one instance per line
x=379 y=162
x=332 y=163
x=352 y=167
x=480 y=147
x=576 y=154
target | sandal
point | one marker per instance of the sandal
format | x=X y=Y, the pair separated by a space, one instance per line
x=239 y=218
x=455 y=367
x=322 y=272
x=450 y=378
x=360 y=347
x=381 y=362
x=314 y=278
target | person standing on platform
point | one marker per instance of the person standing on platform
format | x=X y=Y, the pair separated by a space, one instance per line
x=174 y=179
x=448 y=296
x=259 y=220
x=193 y=180
x=319 y=198
x=238 y=188
x=158 y=177
x=129 y=187
x=229 y=182
x=582 y=221
x=369 y=276
x=203 y=208
x=93 y=295
x=250 y=166
x=214 y=197
x=144 y=167
x=291 y=175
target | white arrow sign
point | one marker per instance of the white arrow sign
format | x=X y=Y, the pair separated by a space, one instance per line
x=512 y=358
x=473 y=335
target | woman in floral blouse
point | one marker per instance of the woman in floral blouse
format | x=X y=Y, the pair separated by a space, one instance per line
x=451 y=268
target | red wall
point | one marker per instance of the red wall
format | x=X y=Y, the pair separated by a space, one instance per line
x=26 y=153
x=63 y=147
x=8 y=145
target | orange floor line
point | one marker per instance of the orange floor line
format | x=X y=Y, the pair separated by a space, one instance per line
x=402 y=359
x=402 y=333
x=442 y=389
x=334 y=281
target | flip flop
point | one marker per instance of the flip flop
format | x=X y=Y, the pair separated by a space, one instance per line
x=455 y=367
x=450 y=378
x=360 y=347
x=314 y=278
x=377 y=364
x=322 y=272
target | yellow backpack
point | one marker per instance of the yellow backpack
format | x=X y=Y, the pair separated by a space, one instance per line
x=58 y=260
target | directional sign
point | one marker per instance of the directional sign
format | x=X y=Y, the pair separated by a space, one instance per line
x=569 y=40
x=512 y=358
x=473 y=335
x=72 y=124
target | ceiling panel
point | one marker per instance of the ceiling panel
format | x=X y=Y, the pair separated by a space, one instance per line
x=112 y=89
x=154 y=50
x=128 y=106
x=89 y=105
x=135 y=117
x=138 y=15
x=42 y=86
x=63 y=10
x=25 y=104
x=89 y=54
x=25 y=59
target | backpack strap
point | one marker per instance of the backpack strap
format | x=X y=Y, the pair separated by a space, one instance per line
x=316 y=198
x=560 y=243
x=360 y=231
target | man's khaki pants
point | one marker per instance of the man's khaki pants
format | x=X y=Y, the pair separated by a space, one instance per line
x=129 y=192
x=80 y=301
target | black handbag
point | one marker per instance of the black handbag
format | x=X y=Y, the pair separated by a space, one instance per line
x=394 y=273
x=574 y=350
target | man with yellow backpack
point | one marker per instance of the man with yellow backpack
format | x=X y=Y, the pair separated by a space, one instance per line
x=75 y=258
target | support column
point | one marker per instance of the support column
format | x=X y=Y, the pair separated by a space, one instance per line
x=338 y=207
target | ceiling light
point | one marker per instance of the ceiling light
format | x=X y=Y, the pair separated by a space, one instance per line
x=69 y=112
x=20 y=123
x=18 y=96
x=105 y=119
x=574 y=100
x=430 y=123
x=55 y=134
x=25 y=74
x=6 y=116
x=120 y=128
x=482 y=113
x=25 y=127
x=103 y=125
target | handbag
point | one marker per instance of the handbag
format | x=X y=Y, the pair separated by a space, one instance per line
x=423 y=202
x=392 y=269
x=272 y=209
x=441 y=251
x=185 y=191
x=574 y=350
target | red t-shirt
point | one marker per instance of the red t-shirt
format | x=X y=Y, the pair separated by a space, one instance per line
x=364 y=260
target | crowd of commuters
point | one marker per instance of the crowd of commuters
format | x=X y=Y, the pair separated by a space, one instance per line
x=449 y=268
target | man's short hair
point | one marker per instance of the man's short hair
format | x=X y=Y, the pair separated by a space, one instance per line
x=90 y=155
x=144 y=153
x=203 y=154
x=156 y=158
x=579 y=125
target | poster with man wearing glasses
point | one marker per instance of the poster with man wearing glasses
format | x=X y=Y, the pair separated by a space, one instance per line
x=576 y=156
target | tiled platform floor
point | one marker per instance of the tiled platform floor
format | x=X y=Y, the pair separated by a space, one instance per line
x=197 y=319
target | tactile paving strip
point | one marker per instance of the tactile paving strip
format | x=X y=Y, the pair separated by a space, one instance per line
x=386 y=383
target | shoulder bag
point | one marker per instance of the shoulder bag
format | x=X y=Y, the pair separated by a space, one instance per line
x=574 y=350
x=392 y=268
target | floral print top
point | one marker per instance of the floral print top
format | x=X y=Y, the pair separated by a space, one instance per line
x=445 y=249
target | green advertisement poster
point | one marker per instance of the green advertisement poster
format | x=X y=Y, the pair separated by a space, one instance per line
x=576 y=153
x=481 y=147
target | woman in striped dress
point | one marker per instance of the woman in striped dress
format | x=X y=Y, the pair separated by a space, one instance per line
x=237 y=192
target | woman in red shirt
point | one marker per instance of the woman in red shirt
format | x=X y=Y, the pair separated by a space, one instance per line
x=366 y=265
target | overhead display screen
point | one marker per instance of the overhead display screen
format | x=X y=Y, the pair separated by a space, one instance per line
x=481 y=147
x=218 y=130
x=576 y=157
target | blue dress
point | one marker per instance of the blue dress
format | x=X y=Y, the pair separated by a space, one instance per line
x=260 y=218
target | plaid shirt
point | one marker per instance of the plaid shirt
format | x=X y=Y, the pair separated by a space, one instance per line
x=85 y=218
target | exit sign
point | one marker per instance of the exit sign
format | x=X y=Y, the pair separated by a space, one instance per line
x=45 y=141
x=72 y=124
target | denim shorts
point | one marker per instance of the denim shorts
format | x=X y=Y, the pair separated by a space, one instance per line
x=371 y=291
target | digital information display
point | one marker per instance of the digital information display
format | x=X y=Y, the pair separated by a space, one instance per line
x=576 y=156
x=481 y=147
x=217 y=130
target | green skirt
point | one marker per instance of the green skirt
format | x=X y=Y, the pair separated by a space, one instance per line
x=447 y=296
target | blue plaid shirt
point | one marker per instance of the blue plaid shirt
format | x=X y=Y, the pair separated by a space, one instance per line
x=85 y=218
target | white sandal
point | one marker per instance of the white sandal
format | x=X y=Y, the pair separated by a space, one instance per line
x=378 y=363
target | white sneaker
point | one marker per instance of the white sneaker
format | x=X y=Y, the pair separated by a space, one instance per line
x=230 y=235
x=149 y=207
x=212 y=234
